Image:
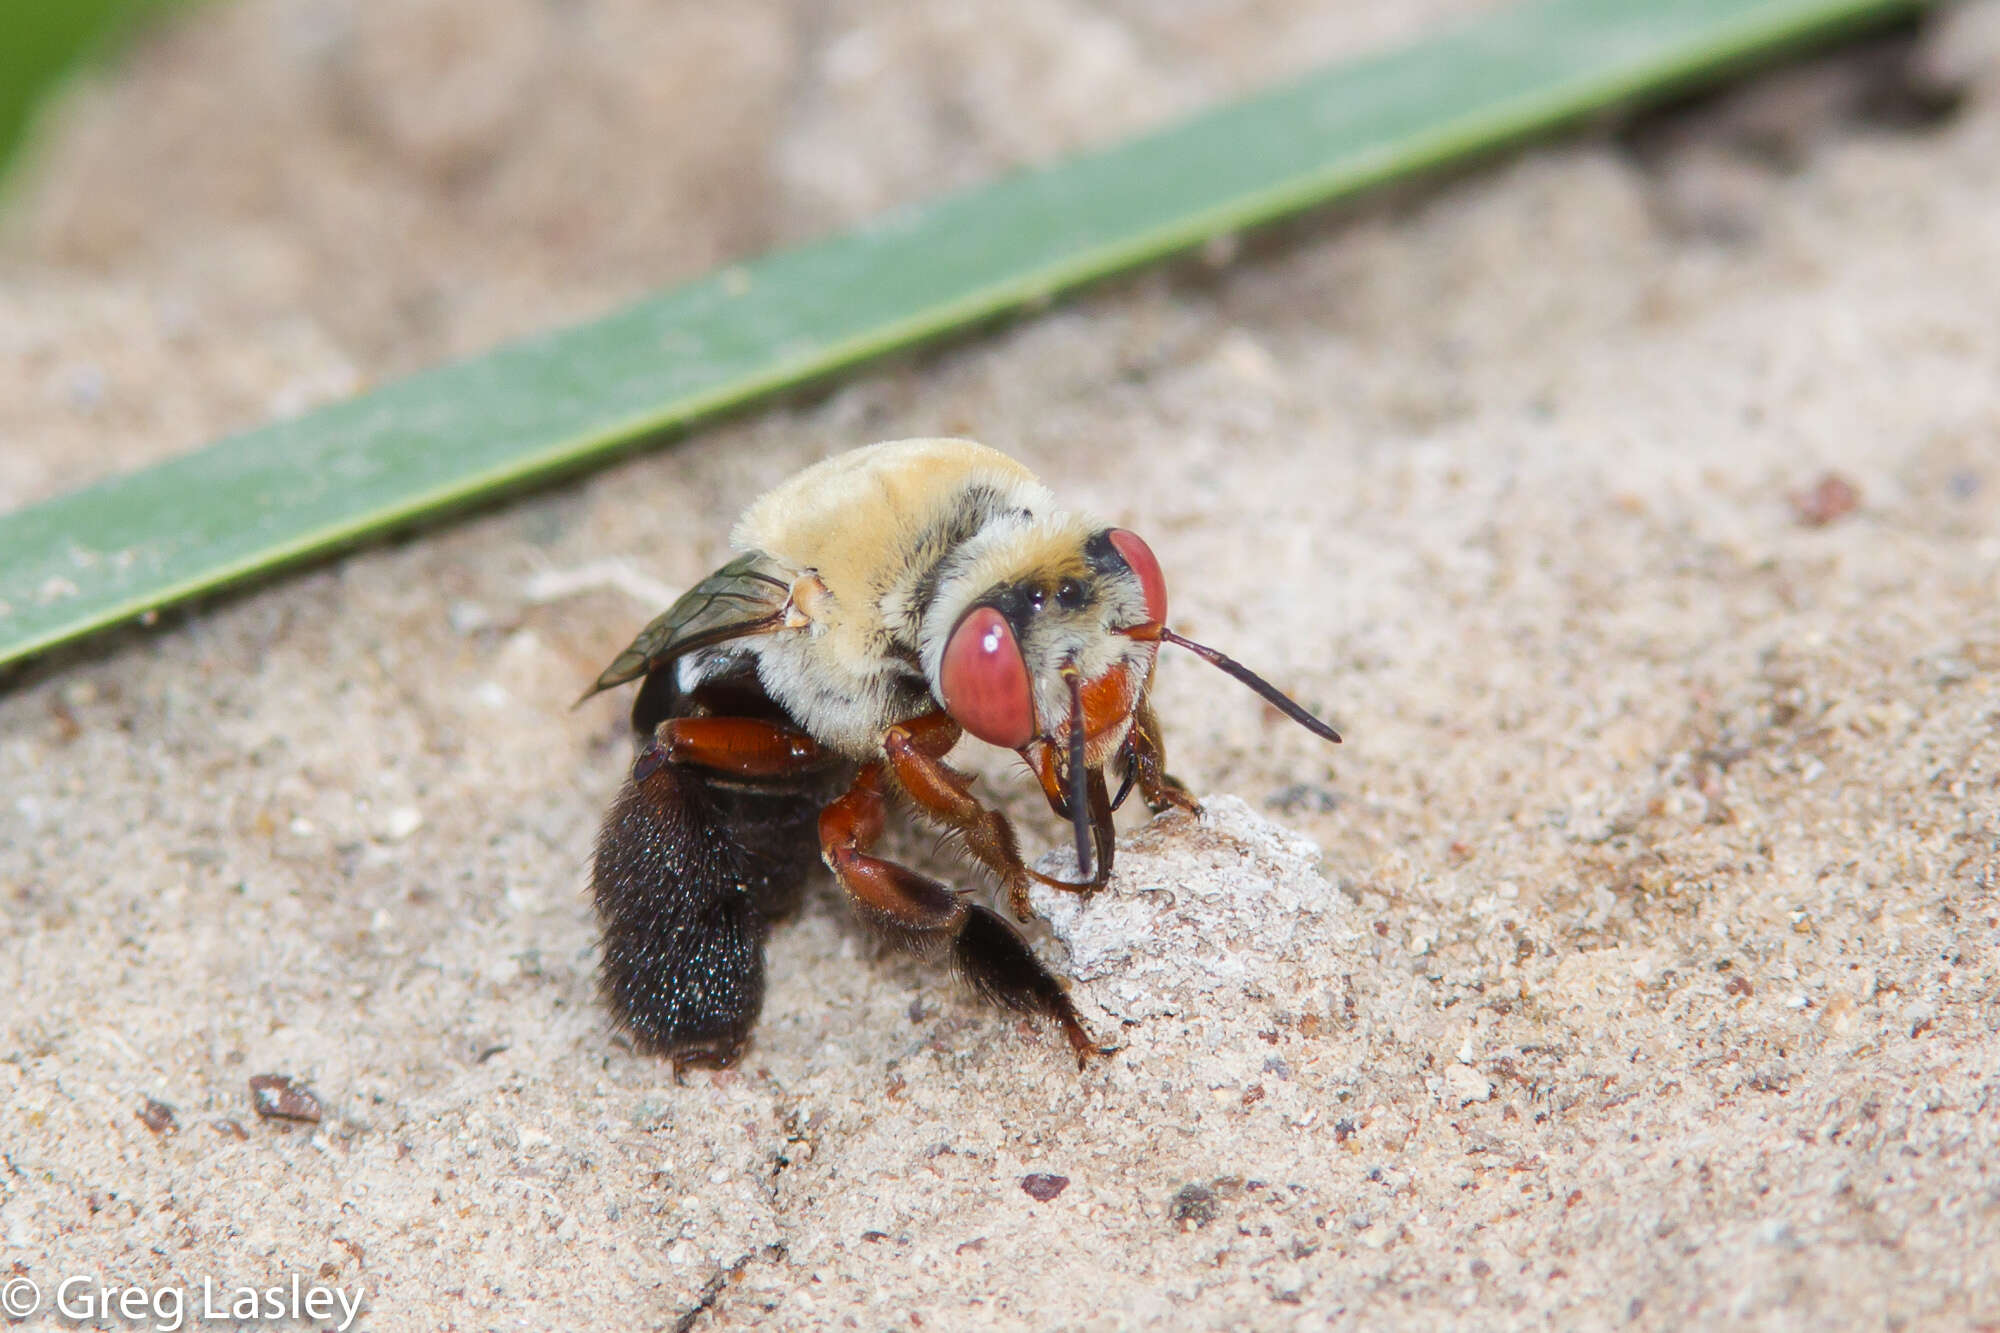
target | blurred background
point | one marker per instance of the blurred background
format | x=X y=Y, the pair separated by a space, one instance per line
x=324 y=193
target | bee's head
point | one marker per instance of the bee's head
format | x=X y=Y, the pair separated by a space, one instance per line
x=1043 y=630
x=1032 y=627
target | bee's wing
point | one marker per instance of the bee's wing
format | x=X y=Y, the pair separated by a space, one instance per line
x=744 y=597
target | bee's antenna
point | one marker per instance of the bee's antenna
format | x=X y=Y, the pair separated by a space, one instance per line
x=1265 y=688
x=1079 y=810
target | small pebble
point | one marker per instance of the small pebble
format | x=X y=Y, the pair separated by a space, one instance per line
x=402 y=822
x=158 y=1117
x=1193 y=1207
x=1041 y=1188
x=1464 y=1084
x=276 y=1097
x=1831 y=498
x=468 y=617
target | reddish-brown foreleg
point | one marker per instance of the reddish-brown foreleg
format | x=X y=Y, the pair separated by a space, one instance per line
x=914 y=751
x=1042 y=762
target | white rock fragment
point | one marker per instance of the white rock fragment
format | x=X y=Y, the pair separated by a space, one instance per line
x=20 y=1235
x=1464 y=1084
x=468 y=617
x=401 y=822
x=1196 y=905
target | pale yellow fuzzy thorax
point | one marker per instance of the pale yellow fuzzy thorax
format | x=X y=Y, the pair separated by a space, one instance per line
x=854 y=519
x=853 y=516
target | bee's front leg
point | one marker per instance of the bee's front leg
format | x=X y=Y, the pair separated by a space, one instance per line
x=915 y=753
x=1103 y=833
x=924 y=916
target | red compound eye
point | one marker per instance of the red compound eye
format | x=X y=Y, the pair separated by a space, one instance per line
x=985 y=682
x=1147 y=566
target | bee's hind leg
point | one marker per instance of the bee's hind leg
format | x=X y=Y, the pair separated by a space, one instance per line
x=738 y=746
x=925 y=917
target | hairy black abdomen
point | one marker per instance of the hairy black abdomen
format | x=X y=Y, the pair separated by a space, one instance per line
x=683 y=935
x=691 y=869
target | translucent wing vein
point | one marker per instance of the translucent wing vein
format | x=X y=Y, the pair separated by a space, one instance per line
x=742 y=598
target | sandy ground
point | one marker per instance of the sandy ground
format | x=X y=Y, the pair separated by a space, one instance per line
x=1641 y=966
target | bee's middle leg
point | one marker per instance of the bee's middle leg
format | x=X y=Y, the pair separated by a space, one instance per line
x=924 y=916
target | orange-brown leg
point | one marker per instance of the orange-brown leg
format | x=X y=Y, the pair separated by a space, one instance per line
x=922 y=915
x=914 y=751
x=1157 y=787
x=740 y=746
x=1042 y=762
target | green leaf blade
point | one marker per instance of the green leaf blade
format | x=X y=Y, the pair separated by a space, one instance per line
x=462 y=433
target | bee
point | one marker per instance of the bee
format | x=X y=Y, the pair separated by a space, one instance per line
x=886 y=601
